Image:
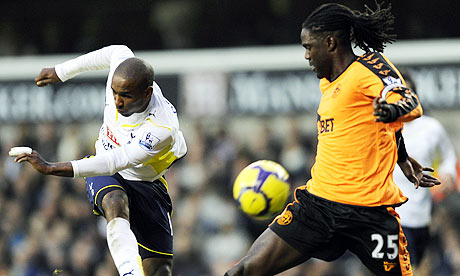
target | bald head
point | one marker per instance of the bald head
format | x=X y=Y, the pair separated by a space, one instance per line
x=136 y=71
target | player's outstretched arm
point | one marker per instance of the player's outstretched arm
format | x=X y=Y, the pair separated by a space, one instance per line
x=414 y=171
x=104 y=58
x=47 y=76
x=411 y=168
x=45 y=167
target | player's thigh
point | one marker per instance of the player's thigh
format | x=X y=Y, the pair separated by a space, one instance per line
x=270 y=255
x=98 y=187
x=115 y=205
x=157 y=266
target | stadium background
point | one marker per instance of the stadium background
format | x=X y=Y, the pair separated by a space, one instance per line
x=236 y=73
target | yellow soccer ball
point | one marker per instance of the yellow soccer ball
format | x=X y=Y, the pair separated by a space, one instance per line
x=261 y=189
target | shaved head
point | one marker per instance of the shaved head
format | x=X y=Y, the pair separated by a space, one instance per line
x=132 y=86
x=136 y=70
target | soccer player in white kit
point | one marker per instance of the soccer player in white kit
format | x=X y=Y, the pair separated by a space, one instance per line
x=427 y=141
x=138 y=141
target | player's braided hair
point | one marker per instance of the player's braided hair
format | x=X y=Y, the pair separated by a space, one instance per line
x=368 y=30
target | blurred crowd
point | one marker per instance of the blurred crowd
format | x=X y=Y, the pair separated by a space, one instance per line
x=47 y=226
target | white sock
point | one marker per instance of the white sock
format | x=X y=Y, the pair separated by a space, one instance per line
x=123 y=248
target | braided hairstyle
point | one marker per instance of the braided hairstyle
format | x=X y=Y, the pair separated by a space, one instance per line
x=368 y=30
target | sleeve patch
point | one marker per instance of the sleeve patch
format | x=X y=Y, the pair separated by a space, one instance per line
x=391 y=80
x=148 y=141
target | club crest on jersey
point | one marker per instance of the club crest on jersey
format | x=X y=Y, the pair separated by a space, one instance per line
x=337 y=90
x=148 y=141
x=391 y=80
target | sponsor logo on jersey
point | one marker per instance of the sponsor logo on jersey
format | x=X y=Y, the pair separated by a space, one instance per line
x=111 y=136
x=388 y=265
x=285 y=218
x=325 y=125
x=148 y=141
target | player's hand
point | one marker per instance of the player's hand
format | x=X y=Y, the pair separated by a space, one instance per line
x=382 y=110
x=36 y=160
x=414 y=172
x=47 y=76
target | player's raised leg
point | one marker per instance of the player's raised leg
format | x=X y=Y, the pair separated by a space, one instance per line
x=120 y=239
x=268 y=255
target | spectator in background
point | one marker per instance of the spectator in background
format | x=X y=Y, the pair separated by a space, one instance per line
x=427 y=141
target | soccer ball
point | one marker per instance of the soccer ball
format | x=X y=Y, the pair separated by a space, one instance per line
x=261 y=189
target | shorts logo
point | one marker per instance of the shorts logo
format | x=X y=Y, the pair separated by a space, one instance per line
x=285 y=218
x=91 y=188
x=388 y=265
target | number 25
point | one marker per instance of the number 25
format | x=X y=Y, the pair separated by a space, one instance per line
x=392 y=243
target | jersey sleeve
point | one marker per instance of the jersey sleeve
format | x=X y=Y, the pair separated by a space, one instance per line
x=105 y=58
x=404 y=103
x=149 y=145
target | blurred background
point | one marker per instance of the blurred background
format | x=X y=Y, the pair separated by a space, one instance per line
x=236 y=72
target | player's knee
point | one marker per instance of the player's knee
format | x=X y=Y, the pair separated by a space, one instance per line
x=158 y=267
x=163 y=270
x=115 y=204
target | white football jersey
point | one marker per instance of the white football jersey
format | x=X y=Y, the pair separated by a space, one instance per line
x=141 y=146
x=425 y=140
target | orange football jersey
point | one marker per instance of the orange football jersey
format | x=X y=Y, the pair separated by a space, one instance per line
x=356 y=155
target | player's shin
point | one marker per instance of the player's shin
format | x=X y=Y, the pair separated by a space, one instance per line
x=123 y=247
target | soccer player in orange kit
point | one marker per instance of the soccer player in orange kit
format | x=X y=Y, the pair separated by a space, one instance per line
x=348 y=204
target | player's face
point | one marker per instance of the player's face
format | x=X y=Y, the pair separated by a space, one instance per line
x=316 y=53
x=128 y=97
